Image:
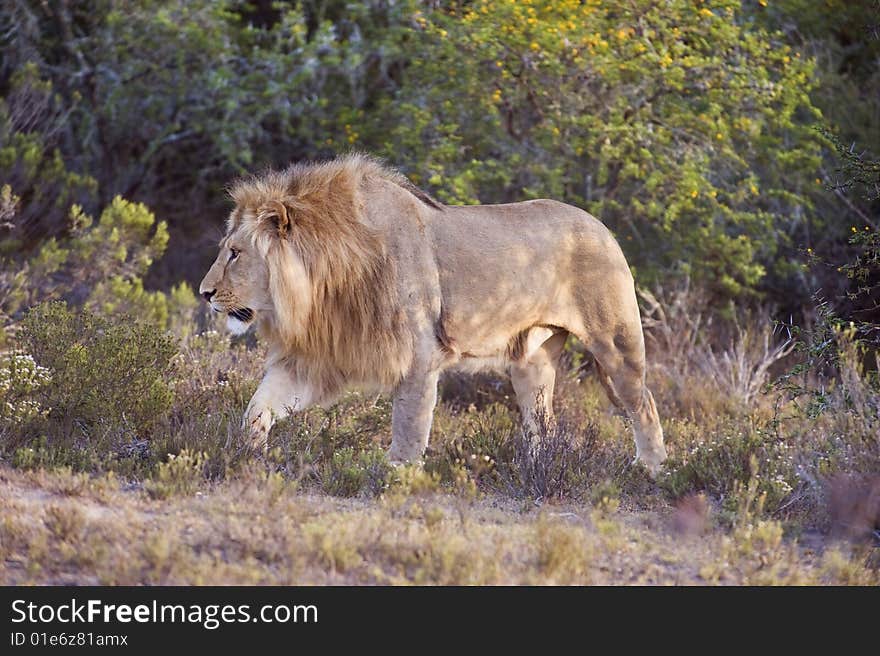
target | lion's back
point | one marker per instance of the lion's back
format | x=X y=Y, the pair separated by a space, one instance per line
x=525 y=242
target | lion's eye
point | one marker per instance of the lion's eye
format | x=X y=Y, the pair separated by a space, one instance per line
x=233 y=253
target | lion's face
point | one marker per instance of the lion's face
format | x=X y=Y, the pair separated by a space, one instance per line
x=237 y=284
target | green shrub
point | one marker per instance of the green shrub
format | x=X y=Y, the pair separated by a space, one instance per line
x=99 y=266
x=40 y=454
x=108 y=375
x=729 y=464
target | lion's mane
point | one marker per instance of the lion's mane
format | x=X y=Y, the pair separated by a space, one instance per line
x=337 y=319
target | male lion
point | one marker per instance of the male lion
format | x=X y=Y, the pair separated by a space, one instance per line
x=356 y=278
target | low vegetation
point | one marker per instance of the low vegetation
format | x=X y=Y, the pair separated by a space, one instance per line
x=116 y=434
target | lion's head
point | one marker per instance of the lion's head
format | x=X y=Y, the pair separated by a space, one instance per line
x=299 y=260
x=237 y=284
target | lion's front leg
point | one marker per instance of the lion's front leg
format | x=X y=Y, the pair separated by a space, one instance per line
x=277 y=396
x=412 y=412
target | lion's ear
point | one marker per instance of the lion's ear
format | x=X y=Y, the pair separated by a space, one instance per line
x=278 y=213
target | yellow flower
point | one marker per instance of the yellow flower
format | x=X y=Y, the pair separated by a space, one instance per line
x=853 y=228
x=621 y=34
x=695 y=193
x=534 y=46
x=706 y=12
x=754 y=189
x=719 y=136
x=443 y=33
x=786 y=59
x=499 y=63
x=818 y=181
x=763 y=3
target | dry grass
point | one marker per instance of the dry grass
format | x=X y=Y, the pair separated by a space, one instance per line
x=258 y=530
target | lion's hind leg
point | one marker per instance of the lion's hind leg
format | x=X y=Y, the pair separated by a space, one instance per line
x=621 y=370
x=608 y=386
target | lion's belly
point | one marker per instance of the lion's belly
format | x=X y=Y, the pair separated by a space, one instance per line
x=498 y=350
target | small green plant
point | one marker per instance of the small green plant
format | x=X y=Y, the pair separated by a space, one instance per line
x=349 y=473
x=413 y=480
x=605 y=496
x=181 y=474
x=477 y=449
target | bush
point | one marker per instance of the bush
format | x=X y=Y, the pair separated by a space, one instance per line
x=99 y=266
x=724 y=465
x=554 y=464
x=109 y=376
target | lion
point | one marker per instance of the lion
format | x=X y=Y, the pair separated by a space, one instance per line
x=356 y=278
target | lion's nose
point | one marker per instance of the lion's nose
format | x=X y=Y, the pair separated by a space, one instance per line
x=209 y=294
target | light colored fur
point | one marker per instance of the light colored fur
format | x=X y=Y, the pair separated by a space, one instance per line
x=357 y=278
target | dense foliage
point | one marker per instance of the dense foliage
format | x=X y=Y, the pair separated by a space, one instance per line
x=687 y=126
